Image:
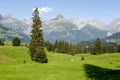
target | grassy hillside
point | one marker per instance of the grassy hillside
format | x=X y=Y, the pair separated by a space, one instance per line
x=60 y=66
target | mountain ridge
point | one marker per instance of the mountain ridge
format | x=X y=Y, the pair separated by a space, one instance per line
x=59 y=28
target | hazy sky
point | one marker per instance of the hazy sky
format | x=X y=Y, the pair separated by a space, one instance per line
x=105 y=10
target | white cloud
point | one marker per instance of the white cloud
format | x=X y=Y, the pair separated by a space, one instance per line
x=44 y=10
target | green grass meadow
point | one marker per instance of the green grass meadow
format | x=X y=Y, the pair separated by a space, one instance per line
x=59 y=66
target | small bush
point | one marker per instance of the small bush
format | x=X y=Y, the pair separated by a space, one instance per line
x=82 y=58
x=1 y=43
x=16 y=42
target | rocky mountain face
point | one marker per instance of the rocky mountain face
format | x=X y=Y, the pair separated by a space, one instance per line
x=114 y=26
x=97 y=23
x=71 y=30
x=80 y=23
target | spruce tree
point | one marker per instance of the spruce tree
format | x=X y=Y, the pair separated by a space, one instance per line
x=72 y=49
x=97 y=48
x=56 y=46
x=36 y=48
x=119 y=48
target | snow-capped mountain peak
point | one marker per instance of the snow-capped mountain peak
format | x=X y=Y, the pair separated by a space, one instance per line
x=59 y=17
x=114 y=26
x=97 y=23
x=80 y=23
x=7 y=16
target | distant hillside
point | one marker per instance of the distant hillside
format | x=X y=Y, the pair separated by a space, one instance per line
x=7 y=34
x=94 y=32
x=91 y=43
x=110 y=40
x=115 y=38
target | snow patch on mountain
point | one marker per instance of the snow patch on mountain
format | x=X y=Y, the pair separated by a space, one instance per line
x=97 y=23
x=80 y=23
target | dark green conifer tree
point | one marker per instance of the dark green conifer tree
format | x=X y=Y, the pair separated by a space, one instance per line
x=36 y=48
x=72 y=49
x=49 y=46
x=119 y=48
x=56 y=46
x=97 y=48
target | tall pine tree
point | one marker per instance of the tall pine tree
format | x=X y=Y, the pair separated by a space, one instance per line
x=37 y=51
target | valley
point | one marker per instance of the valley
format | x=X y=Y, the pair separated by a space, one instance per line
x=60 y=40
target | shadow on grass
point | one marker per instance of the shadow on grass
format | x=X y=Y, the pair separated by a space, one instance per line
x=118 y=66
x=98 y=73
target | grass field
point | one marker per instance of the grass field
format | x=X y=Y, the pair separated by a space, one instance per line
x=60 y=66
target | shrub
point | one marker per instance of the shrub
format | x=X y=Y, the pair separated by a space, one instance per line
x=1 y=43
x=82 y=58
x=16 y=42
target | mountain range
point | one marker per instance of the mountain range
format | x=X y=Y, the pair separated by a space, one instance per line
x=59 y=28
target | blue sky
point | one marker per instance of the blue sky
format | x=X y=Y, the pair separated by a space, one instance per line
x=104 y=10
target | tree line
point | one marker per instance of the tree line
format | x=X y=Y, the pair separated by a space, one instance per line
x=64 y=47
